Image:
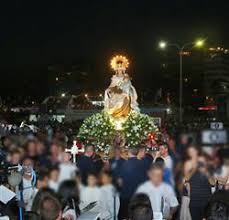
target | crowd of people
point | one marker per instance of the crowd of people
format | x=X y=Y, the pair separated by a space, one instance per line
x=174 y=179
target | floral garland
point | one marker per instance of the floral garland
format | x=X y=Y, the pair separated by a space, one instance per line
x=138 y=127
x=99 y=130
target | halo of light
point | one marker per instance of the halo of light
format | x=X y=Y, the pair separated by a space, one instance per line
x=119 y=62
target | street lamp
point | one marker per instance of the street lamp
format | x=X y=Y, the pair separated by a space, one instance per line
x=63 y=95
x=162 y=45
x=199 y=43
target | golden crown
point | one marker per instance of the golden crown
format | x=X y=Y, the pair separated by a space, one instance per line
x=119 y=62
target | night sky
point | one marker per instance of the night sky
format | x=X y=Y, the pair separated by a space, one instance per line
x=36 y=35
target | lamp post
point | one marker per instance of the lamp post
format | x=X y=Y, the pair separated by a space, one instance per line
x=163 y=45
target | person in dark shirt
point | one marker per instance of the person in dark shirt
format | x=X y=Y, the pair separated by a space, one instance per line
x=89 y=162
x=116 y=162
x=174 y=151
x=146 y=160
x=200 y=192
x=218 y=206
x=131 y=176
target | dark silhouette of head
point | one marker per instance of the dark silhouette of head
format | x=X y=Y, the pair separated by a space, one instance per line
x=218 y=206
x=69 y=195
x=140 y=208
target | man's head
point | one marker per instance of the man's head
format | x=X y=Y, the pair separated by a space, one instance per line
x=42 y=180
x=89 y=150
x=50 y=209
x=27 y=165
x=6 y=142
x=15 y=156
x=155 y=174
x=133 y=151
x=30 y=148
x=164 y=150
x=141 y=153
x=54 y=149
x=160 y=161
x=140 y=208
x=184 y=139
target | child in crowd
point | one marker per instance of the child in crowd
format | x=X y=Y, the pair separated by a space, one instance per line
x=53 y=178
x=167 y=173
x=66 y=167
x=79 y=183
x=109 y=198
x=90 y=193
x=42 y=179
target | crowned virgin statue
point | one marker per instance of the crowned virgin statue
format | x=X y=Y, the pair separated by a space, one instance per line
x=121 y=96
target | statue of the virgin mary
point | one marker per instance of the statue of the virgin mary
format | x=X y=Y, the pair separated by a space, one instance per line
x=121 y=96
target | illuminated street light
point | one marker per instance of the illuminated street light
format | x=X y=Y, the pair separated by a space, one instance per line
x=63 y=95
x=162 y=44
x=86 y=95
x=199 y=43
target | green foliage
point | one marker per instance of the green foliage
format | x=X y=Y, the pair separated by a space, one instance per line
x=99 y=130
x=138 y=127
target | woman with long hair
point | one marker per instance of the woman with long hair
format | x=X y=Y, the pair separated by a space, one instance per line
x=69 y=197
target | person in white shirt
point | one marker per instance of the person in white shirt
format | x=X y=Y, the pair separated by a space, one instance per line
x=90 y=193
x=164 y=153
x=109 y=198
x=53 y=179
x=78 y=181
x=66 y=167
x=29 y=189
x=161 y=195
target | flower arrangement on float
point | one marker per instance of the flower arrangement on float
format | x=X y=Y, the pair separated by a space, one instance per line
x=138 y=127
x=99 y=130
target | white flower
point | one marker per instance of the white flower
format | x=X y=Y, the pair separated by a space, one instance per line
x=136 y=128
